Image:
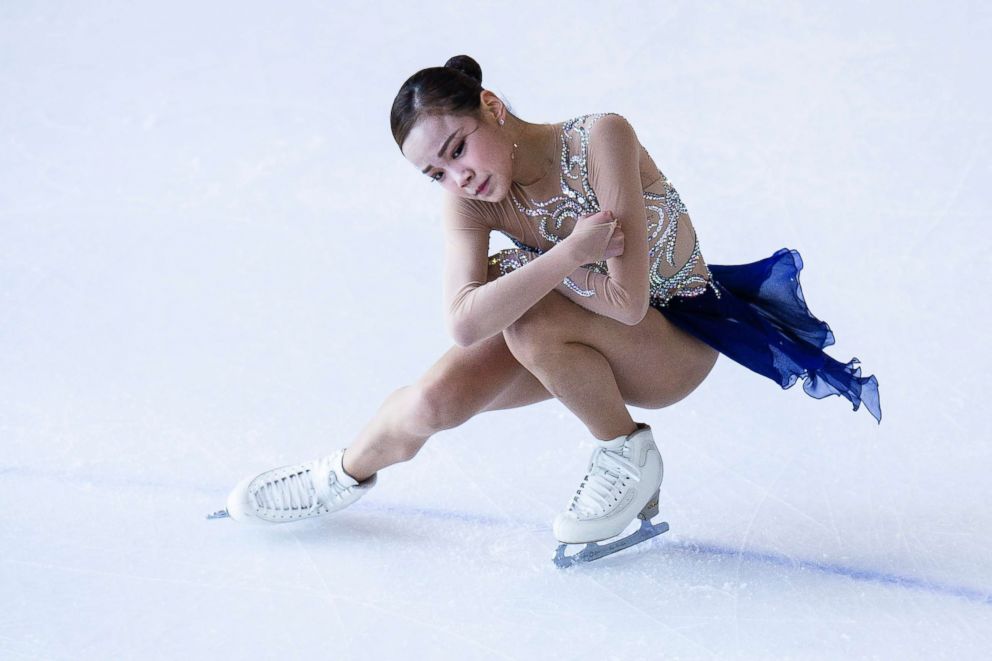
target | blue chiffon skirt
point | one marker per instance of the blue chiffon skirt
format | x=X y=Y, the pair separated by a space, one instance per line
x=761 y=321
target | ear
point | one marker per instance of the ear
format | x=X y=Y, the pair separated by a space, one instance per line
x=493 y=105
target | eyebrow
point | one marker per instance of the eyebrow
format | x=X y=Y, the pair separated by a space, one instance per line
x=440 y=151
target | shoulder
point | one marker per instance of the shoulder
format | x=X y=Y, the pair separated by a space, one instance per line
x=602 y=124
x=610 y=128
x=604 y=135
x=611 y=141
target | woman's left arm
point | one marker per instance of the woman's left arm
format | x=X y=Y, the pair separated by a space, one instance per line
x=615 y=176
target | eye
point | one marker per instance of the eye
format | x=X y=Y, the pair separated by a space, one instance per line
x=436 y=177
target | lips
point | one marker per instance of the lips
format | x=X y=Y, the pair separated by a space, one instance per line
x=482 y=189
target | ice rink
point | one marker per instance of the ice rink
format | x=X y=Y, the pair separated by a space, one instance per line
x=214 y=260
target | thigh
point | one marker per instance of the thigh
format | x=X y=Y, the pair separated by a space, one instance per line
x=659 y=363
x=654 y=362
x=484 y=377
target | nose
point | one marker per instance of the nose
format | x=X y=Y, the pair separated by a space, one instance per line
x=465 y=178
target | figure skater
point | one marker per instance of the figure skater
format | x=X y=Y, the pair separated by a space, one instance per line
x=606 y=301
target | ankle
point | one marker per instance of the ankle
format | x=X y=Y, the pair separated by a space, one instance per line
x=614 y=438
x=351 y=471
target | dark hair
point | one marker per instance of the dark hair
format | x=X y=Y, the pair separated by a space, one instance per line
x=452 y=89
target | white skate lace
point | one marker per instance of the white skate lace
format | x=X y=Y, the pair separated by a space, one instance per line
x=307 y=489
x=606 y=480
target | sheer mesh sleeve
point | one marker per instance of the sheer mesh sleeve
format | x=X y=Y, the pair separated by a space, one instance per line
x=477 y=309
x=620 y=289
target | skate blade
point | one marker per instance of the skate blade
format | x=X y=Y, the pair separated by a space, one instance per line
x=219 y=514
x=595 y=551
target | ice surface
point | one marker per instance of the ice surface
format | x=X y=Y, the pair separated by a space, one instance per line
x=189 y=195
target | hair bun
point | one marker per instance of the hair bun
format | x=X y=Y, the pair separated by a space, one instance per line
x=466 y=65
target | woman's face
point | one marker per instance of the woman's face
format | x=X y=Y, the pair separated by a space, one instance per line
x=468 y=156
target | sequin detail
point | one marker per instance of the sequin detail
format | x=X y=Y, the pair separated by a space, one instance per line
x=510 y=260
x=578 y=199
x=571 y=203
x=683 y=282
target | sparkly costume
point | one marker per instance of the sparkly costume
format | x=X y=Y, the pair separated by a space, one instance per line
x=753 y=313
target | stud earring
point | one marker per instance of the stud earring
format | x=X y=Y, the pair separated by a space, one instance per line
x=501 y=122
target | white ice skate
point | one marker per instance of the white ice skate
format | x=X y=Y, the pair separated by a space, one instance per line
x=622 y=483
x=291 y=493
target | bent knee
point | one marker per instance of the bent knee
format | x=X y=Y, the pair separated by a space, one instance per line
x=536 y=326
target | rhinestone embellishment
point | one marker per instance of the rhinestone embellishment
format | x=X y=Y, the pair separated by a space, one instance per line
x=578 y=199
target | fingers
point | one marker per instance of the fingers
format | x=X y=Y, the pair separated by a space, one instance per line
x=603 y=245
x=607 y=214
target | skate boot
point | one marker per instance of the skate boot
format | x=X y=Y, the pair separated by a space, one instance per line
x=291 y=493
x=622 y=482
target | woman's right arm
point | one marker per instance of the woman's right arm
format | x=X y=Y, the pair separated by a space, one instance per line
x=476 y=309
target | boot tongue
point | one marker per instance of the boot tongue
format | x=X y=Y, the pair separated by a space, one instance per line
x=615 y=445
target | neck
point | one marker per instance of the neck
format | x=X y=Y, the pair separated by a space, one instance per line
x=535 y=152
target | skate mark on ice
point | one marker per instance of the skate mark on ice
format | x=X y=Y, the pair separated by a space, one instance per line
x=982 y=596
x=589 y=576
x=447 y=456
x=327 y=593
x=866 y=575
x=707 y=548
x=742 y=549
x=105 y=480
x=978 y=150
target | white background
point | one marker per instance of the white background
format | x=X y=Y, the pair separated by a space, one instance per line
x=214 y=260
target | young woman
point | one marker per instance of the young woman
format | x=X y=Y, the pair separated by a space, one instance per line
x=606 y=301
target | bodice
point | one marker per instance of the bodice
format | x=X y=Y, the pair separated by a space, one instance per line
x=676 y=264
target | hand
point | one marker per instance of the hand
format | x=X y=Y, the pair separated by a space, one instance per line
x=615 y=247
x=596 y=237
